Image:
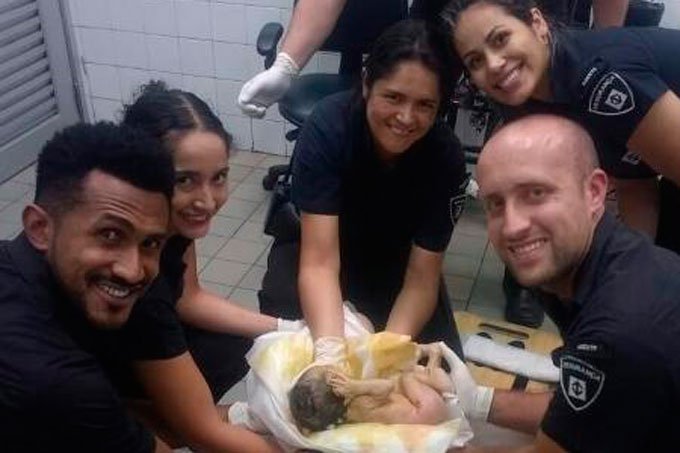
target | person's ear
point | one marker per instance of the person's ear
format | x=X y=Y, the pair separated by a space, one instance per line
x=38 y=226
x=596 y=191
x=540 y=25
x=364 y=87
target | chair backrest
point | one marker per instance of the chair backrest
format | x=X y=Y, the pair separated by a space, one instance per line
x=359 y=25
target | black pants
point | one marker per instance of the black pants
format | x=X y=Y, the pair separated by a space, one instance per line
x=279 y=297
x=220 y=357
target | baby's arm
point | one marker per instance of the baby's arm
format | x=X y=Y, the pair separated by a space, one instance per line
x=351 y=388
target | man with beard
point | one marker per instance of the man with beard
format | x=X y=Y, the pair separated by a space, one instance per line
x=90 y=247
x=614 y=296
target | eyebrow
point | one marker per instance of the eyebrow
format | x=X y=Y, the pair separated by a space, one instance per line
x=179 y=171
x=487 y=38
x=112 y=218
x=126 y=225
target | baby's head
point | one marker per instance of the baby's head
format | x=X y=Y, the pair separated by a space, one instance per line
x=313 y=403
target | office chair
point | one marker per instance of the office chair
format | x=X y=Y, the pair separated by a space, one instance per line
x=358 y=26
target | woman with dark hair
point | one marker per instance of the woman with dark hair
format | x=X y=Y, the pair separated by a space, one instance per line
x=186 y=345
x=620 y=83
x=379 y=182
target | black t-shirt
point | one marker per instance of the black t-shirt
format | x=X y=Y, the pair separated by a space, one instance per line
x=620 y=364
x=383 y=209
x=54 y=395
x=567 y=12
x=154 y=330
x=610 y=79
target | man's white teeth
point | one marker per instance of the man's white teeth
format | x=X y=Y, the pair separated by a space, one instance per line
x=526 y=248
x=509 y=79
x=114 y=290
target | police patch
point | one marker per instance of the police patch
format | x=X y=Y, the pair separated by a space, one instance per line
x=611 y=96
x=457 y=204
x=580 y=381
x=631 y=158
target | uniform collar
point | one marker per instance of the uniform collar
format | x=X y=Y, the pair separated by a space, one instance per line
x=34 y=269
x=593 y=266
x=31 y=263
x=586 y=277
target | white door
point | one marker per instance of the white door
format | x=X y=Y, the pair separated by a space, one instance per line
x=37 y=95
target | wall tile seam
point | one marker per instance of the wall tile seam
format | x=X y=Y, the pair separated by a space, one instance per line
x=147 y=69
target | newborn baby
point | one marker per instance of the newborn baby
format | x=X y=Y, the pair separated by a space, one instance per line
x=324 y=396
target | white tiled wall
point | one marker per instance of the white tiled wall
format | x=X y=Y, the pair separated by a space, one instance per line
x=205 y=46
x=671 y=16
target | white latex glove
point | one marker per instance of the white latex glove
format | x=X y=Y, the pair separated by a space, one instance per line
x=268 y=86
x=330 y=351
x=285 y=325
x=474 y=399
x=239 y=415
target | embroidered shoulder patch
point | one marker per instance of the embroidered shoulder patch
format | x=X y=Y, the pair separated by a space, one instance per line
x=581 y=382
x=611 y=96
x=457 y=204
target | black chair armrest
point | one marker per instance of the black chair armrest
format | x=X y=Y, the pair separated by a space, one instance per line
x=267 y=40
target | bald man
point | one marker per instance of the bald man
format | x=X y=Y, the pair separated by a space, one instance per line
x=614 y=296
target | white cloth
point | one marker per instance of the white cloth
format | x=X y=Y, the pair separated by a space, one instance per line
x=507 y=358
x=276 y=360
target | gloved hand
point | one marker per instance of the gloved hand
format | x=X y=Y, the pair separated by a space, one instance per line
x=240 y=415
x=286 y=325
x=474 y=399
x=330 y=351
x=268 y=86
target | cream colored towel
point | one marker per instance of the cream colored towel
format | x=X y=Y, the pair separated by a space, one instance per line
x=276 y=359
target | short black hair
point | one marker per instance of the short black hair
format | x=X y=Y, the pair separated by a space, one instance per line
x=120 y=151
x=414 y=40
x=166 y=113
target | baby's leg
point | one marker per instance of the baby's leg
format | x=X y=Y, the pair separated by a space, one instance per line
x=428 y=404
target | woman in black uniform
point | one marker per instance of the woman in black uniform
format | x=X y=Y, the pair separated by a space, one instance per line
x=620 y=83
x=380 y=183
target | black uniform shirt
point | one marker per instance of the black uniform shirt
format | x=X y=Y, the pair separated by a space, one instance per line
x=54 y=395
x=154 y=330
x=610 y=78
x=383 y=208
x=620 y=364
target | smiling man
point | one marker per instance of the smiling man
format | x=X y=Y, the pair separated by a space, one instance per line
x=89 y=249
x=614 y=296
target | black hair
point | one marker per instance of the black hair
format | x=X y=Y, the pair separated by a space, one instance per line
x=120 y=151
x=413 y=40
x=166 y=113
x=313 y=404
x=521 y=9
